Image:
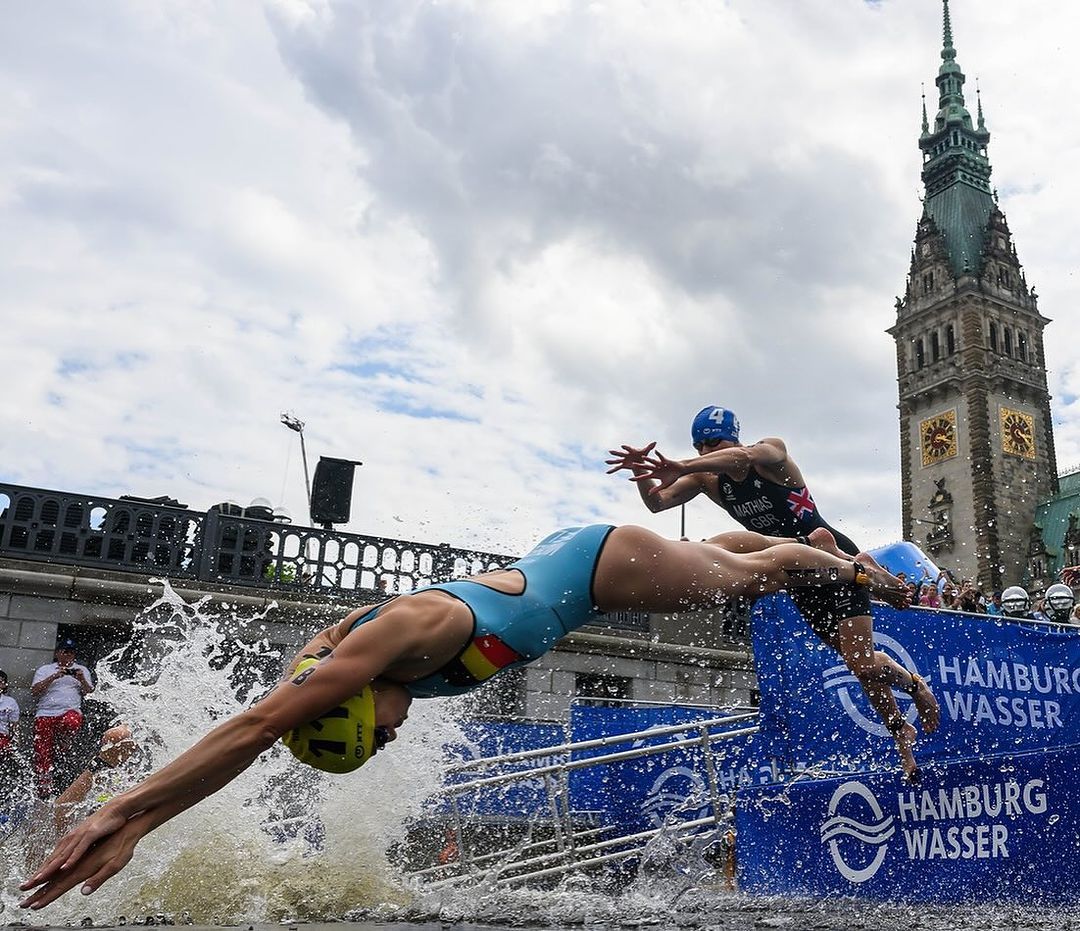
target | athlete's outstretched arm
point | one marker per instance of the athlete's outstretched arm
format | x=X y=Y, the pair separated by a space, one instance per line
x=659 y=474
x=655 y=497
x=102 y=845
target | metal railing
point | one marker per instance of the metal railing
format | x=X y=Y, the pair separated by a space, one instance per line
x=578 y=847
x=130 y=536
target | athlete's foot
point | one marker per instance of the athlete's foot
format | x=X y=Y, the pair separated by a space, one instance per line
x=822 y=539
x=883 y=583
x=905 y=741
x=925 y=703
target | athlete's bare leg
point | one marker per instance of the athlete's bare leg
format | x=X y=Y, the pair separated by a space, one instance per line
x=641 y=571
x=747 y=541
x=878 y=674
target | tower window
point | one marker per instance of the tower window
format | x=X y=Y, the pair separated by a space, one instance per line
x=935 y=347
x=920 y=357
x=927 y=282
x=1021 y=345
x=993 y=336
x=950 y=340
x=1007 y=337
x=1003 y=276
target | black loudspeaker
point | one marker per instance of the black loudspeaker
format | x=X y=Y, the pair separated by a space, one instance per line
x=331 y=492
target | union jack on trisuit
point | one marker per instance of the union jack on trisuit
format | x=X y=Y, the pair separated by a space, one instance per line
x=800 y=502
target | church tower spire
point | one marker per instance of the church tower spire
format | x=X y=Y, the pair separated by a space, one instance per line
x=956 y=169
x=977 y=445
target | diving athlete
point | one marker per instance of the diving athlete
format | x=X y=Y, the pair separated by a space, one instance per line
x=763 y=488
x=438 y=640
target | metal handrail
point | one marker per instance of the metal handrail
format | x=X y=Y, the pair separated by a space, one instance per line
x=567 y=840
x=662 y=731
x=682 y=827
x=489 y=781
x=497 y=854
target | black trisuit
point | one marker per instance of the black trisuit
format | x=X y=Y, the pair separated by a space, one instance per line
x=775 y=510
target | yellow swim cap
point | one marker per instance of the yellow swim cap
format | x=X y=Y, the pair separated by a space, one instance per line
x=342 y=739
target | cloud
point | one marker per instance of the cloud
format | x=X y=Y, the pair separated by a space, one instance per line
x=475 y=244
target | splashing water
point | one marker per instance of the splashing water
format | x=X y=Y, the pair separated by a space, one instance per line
x=282 y=841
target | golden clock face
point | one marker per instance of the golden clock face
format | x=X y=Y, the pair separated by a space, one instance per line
x=1017 y=433
x=938 y=436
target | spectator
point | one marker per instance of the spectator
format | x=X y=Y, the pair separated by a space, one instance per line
x=1016 y=603
x=117 y=745
x=1059 y=601
x=9 y=716
x=930 y=597
x=59 y=688
x=968 y=598
x=994 y=607
x=1074 y=618
x=948 y=597
x=100 y=779
x=1039 y=612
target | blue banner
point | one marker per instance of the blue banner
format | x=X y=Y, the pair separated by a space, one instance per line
x=1003 y=686
x=644 y=793
x=520 y=799
x=978 y=830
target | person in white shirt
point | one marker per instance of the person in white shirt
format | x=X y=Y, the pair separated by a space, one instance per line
x=59 y=688
x=9 y=715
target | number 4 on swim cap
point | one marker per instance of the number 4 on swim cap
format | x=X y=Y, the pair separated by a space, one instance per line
x=714 y=423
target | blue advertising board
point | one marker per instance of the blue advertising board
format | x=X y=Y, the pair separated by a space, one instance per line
x=483 y=739
x=1003 y=687
x=1004 y=829
x=647 y=792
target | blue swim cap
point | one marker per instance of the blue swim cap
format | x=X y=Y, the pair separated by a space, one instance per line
x=715 y=423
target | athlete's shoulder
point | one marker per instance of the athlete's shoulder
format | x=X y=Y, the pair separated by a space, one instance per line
x=770 y=447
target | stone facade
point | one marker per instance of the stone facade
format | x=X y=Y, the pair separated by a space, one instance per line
x=974 y=376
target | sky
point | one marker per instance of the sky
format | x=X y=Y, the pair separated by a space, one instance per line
x=476 y=244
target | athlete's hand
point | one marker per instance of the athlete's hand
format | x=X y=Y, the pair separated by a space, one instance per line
x=92 y=852
x=658 y=467
x=629 y=457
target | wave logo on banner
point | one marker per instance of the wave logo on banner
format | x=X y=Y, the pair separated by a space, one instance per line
x=840 y=680
x=865 y=836
x=671 y=791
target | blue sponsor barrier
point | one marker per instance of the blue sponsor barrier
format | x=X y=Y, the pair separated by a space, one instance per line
x=1004 y=829
x=522 y=799
x=645 y=793
x=1004 y=686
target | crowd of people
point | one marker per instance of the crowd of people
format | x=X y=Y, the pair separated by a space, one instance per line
x=1056 y=605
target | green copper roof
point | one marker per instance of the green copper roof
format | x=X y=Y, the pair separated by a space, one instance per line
x=962 y=213
x=1053 y=517
x=956 y=170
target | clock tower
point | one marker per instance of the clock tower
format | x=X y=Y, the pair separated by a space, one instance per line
x=976 y=440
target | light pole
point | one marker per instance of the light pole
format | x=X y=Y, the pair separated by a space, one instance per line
x=295 y=424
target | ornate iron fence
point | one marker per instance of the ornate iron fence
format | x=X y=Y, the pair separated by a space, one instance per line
x=130 y=536
x=85 y=530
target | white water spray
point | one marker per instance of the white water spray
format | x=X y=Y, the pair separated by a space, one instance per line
x=283 y=840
